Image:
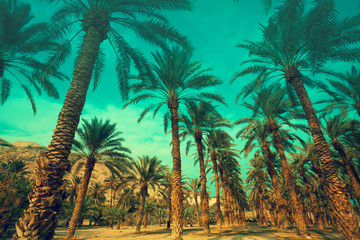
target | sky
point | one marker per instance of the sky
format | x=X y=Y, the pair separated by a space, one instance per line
x=214 y=28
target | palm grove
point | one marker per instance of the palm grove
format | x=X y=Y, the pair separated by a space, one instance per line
x=291 y=181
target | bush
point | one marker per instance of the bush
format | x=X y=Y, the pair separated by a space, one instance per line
x=14 y=188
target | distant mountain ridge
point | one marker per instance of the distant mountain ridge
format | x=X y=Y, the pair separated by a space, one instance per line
x=30 y=151
x=20 y=144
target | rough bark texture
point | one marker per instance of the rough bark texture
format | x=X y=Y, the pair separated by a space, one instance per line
x=271 y=209
x=314 y=208
x=197 y=209
x=39 y=220
x=203 y=194
x=280 y=207
x=296 y=206
x=141 y=210
x=176 y=192
x=337 y=195
x=89 y=166
x=217 y=190
x=354 y=177
x=168 y=211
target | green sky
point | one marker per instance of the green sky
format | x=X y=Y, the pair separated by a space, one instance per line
x=214 y=27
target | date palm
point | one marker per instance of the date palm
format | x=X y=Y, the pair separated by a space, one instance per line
x=256 y=134
x=200 y=120
x=345 y=92
x=97 y=191
x=292 y=44
x=194 y=187
x=96 y=139
x=216 y=141
x=175 y=80
x=302 y=165
x=338 y=129
x=275 y=109
x=22 y=47
x=98 y=21
x=72 y=187
x=143 y=173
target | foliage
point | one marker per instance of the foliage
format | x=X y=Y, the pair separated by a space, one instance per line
x=14 y=188
x=22 y=50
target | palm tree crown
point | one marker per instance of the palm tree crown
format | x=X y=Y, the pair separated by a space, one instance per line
x=20 y=45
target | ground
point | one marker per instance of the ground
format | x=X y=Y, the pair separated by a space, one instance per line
x=249 y=232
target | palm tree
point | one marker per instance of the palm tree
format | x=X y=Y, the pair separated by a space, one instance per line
x=143 y=173
x=98 y=20
x=175 y=80
x=288 y=53
x=228 y=166
x=97 y=138
x=256 y=134
x=274 y=108
x=217 y=141
x=22 y=44
x=338 y=129
x=256 y=173
x=72 y=187
x=16 y=166
x=194 y=187
x=160 y=214
x=200 y=120
x=345 y=93
x=302 y=165
x=97 y=191
x=113 y=183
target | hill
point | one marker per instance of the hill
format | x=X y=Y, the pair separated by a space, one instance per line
x=5 y=143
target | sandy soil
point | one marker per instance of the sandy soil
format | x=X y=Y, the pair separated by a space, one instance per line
x=250 y=232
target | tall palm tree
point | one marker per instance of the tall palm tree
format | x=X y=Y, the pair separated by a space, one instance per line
x=97 y=191
x=338 y=129
x=21 y=56
x=287 y=53
x=99 y=21
x=256 y=135
x=174 y=80
x=72 y=187
x=256 y=173
x=302 y=165
x=143 y=173
x=200 y=120
x=114 y=182
x=275 y=109
x=96 y=139
x=194 y=187
x=217 y=142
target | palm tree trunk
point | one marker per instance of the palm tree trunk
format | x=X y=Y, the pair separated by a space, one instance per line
x=176 y=192
x=296 y=206
x=280 y=207
x=39 y=220
x=271 y=209
x=204 y=198
x=141 y=210
x=217 y=189
x=354 y=177
x=261 y=206
x=168 y=211
x=337 y=195
x=226 y=212
x=89 y=166
x=111 y=193
x=314 y=208
x=197 y=210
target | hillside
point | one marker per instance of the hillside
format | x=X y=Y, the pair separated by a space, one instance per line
x=29 y=151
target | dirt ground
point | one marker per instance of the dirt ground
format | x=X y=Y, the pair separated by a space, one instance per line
x=249 y=232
